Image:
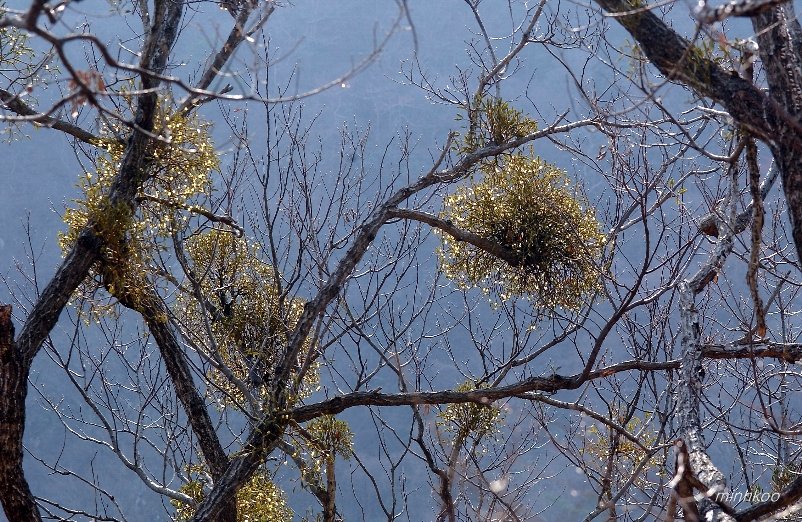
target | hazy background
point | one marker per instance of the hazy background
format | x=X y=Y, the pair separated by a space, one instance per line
x=40 y=171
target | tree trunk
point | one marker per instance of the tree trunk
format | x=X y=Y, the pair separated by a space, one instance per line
x=16 y=496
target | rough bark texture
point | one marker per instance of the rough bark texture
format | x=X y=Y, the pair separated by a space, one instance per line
x=780 y=41
x=16 y=496
x=261 y=442
x=772 y=117
x=683 y=487
x=689 y=386
x=17 y=499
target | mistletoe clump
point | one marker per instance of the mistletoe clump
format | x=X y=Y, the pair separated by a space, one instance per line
x=493 y=120
x=530 y=208
x=250 y=317
x=470 y=420
x=178 y=173
x=260 y=499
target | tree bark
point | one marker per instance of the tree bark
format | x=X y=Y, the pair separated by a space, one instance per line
x=261 y=442
x=17 y=357
x=779 y=42
x=17 y=499
x=771 y=117
x=155 y=315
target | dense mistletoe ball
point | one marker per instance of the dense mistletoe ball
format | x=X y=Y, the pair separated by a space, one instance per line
x=532 y=209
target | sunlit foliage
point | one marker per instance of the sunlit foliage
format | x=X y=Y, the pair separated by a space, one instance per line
x=783 y=474
x=180 y=171
x=331 y=436
x=495 y=121
x=531 y=208
x=319 y=443
x=259 y=500
x=469 y=419
x=15 y=53
x=249 y=317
